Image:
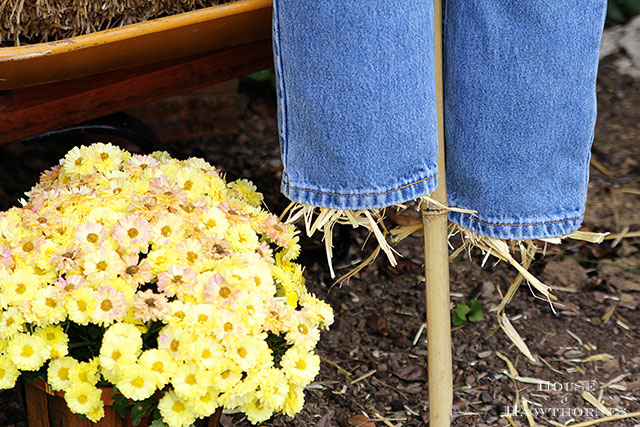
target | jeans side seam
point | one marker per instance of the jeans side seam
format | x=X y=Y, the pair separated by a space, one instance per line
x=523 y=224
x=279 y=65
x=367 y=194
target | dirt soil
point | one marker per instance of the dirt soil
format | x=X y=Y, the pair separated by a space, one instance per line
x=375 y=356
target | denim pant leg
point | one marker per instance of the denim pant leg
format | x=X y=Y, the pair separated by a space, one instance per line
x=355 y=90
x=520 y=112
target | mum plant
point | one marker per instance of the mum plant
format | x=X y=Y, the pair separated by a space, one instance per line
x=155 y=277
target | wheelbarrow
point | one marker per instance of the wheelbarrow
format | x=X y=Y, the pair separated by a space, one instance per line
x=49 y=86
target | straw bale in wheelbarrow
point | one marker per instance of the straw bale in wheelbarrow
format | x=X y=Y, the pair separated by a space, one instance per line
x=35 y=21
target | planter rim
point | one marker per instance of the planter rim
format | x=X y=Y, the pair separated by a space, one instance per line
x=171 y=37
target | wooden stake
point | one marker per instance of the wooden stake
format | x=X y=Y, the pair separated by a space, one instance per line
x=437 y=269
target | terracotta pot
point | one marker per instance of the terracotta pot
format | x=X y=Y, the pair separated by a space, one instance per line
x=47 y=408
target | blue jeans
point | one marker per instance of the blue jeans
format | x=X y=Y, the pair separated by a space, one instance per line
x=357 y=116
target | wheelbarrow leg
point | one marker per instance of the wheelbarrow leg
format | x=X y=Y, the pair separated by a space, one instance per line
x=437 y=270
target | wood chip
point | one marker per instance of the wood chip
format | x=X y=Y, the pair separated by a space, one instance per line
x=607 y=315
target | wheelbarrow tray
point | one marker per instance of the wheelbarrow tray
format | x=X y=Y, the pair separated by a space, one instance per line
x=49 y=86
x=162 y=39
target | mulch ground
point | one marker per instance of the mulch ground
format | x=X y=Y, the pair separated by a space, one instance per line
x=375 y=354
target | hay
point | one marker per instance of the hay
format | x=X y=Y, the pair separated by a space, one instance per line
x=323 y=220
x=36 y=21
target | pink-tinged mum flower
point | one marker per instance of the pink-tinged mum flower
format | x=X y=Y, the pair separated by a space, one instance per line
x=89 y=235
x=265 y=252
x=111 y=306
x=136 y=271
x=211 y=288
x=68 y=260
x=27 y=248
x=276 y=231
x=139 y=164
x=6 y=260
x=177 y=279
x=46 y=220
x=102 y=265
x=66 y=285
x=133 y=233
x=150 y=306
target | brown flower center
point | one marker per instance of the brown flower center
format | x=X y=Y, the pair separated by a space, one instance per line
x=106 y=305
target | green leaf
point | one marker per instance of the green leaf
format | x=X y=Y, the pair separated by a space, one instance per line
x=456 y=321
x=158 y=423
x=461 y=311
x=141 y=409
x=476 y=314
x=120 y=403
x=262 y=76
x=31 y=376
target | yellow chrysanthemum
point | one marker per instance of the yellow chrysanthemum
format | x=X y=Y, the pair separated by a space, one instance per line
x=305 y=334
x=97 y=414
x=21 y=285
x=80 y=305
x=86 y=372
x=167 y=229
x=216 y=188
x=175 y=411
x=257 y=411
x=206 y=352
x=102 y=266
x=294 y=401
x=9 y=373
x=82 y=397
x=56 y=339
x=242 y=238
x=317 y=310
x=247 y=192
x=174 y=340
x=228 y=375
x=189 y=382
x=202 y=317
x=160 y=363
x=192 y=181
x=11 y=322
x=161 y=257
x=137 y=382
x=47 y=307
x=77 y=162
x=28 y=352
x=300 y=366
x=117 y=353
x=206 y=404
x=248 y=352
x=273 y=387
x=106 y=157
x=59 y=372
x=103 y=215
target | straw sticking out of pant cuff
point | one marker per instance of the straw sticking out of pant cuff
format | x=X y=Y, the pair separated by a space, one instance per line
x=504 y=251
x=324 y=219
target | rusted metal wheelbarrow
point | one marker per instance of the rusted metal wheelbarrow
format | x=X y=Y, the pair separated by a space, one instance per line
x=53 y=85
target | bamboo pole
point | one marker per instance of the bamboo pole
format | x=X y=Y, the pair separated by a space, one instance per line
x=437 y=268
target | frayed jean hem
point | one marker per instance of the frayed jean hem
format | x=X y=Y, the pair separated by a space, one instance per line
x=412 y=190
x=555 y=226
